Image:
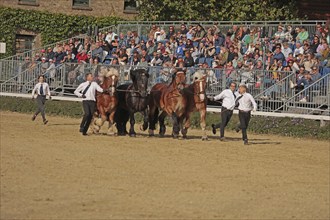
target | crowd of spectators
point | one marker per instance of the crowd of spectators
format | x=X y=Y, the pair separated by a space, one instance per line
x=291 y=49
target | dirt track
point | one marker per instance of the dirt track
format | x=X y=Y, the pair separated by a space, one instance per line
x=54 y=172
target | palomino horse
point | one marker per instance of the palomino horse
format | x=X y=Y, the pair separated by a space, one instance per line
x=132 y=98
x=106 y=103
x=169 y=99
x=196 y=101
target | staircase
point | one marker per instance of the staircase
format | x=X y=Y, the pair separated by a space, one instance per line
x=318 y=99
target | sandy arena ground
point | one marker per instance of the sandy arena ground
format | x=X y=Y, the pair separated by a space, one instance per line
x=53 y=172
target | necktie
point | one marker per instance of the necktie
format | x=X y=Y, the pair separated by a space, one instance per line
x=86 y=89
x=236 y=102
x=41 y=89
x=234 y=95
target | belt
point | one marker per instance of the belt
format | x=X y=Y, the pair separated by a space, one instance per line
x=244 y=111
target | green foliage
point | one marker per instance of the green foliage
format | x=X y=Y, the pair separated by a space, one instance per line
x=239 y=10
x=58 y=108
x=261 y=125
x=52 y=27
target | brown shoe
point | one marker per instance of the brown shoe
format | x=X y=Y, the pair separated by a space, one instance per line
x=45 y=121
x=34 y=117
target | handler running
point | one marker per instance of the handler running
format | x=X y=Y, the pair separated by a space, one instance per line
x=228 y=97
x=86 y=91
x=42 y=89
x=246 y=104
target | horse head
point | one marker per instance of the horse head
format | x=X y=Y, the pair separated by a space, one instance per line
x=140 y=81
x=110 y=81
x=199 y=81
x=180 y=80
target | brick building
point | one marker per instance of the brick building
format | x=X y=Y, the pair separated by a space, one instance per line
x=121 y=8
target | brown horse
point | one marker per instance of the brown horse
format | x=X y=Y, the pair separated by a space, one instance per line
x=169 y=99
x=107 y=103
x=196 y=101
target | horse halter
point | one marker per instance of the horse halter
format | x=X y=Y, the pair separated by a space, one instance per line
x=201 y=92
x=112 y=87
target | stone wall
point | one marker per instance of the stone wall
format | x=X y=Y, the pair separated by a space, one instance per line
x=96 y=7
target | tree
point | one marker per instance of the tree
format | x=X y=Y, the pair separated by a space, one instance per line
x=220 y=10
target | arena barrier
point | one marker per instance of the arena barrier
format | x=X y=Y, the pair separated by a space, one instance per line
x=209 y=109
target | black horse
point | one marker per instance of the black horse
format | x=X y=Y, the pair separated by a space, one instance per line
x=132 y=98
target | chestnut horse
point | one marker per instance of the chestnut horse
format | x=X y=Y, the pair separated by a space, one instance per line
x=196 y=101
x=107 y=103
x=169 y=99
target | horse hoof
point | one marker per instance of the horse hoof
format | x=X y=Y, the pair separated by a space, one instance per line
x=151 y=135
x=132 y=135
x=205 y=138
x=110 y=133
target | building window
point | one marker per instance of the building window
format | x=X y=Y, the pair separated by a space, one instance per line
x=131 y=5
x=28 y=2
x=80 y=3
x=24 y=43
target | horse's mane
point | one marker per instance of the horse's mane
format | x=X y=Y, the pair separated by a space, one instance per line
x=112 y=72
x=198 y=75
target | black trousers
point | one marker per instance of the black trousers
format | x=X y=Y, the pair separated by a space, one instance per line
x=41 y=100
x=244 y=119
x=225 y=118
x=89 y=109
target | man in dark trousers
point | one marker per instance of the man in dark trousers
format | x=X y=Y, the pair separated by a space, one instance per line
x=228 y=97
x=246 y=104
x=86 y=91
x=41 y=89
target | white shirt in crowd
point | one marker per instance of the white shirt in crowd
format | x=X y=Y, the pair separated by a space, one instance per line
x=45 y=88
x=90 y=94
x=286 y=51
x=228 y=98
x=297 y=51
x=246 y=103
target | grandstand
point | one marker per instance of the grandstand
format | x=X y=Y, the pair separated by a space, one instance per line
x=265 y=55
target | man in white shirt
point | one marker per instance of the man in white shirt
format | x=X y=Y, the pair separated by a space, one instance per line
x=228 y=97
x=86 y=90
x=42 y=89
x=246 y=104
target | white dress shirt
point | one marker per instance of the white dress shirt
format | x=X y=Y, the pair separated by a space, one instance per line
x=228 y=99
x=45 y=88
x=246 y=103
x=90 y=94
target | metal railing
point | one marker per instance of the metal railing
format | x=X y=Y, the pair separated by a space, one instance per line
x=313 y=99
x=267 y=28
x=273 y=84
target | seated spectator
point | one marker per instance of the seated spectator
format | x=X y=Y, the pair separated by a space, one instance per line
x=44 y=65
x=180 y=49
x=279 y=34
x=166 y=58
x=183 y=29
x=50 y=54
x=200 y=33
x=170 y=33
x=50 y=72
x=315 y=44
x=286 y=50
x=299 y=50
x=145 y=55
x=210 y=50
x=278 y=53
x=188 y=60
x=82 y=56
x=122 y=57
x=157 y=59
x=302 y=35
x=59 y=56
